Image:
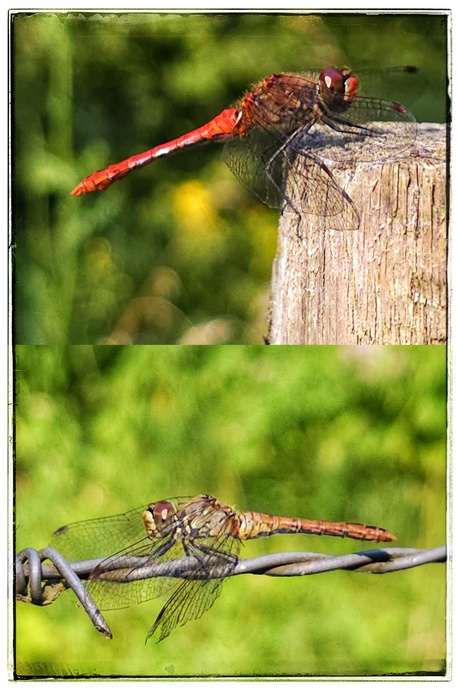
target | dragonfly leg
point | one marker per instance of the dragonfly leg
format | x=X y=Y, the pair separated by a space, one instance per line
x=292 y=150
x=282 y=151
x=353 y=126
x=215 y=562
x=231 y=558
x=163 y=548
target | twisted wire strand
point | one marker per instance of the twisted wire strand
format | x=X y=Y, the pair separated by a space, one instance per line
x=31 y=572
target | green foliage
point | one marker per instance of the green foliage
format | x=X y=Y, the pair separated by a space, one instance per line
x=179 y=250
x=354 y=434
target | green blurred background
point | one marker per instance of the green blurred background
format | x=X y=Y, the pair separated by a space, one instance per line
x=355 y=434
x=178 y=252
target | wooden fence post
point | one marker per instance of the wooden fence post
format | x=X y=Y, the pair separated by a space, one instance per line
x=385 y=283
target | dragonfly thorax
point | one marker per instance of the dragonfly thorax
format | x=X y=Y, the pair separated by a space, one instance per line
x=278 y=102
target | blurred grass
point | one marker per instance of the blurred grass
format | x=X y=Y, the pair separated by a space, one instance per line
x=179 y=251
x=355 y=434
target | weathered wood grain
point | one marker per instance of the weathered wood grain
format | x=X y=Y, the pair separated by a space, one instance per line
x=383 y=283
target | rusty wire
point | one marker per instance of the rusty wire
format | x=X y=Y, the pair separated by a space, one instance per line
x=41 y=584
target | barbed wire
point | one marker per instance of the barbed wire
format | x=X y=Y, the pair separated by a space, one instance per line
x=40 y=584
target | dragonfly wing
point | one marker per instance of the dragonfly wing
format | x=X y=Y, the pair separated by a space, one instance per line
x=260 y=161
x=248 y=158
x=319 y=194
x=101 y=537
x=190 y=600
x=386 y=130
x=119 y=595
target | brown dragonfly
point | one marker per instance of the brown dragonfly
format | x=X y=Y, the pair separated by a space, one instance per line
x=200 y=530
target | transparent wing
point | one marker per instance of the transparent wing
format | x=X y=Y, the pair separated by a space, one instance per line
x=100 y=537
x=248 y=159
x=113 y=584
x=261 y=160
x=190 y=600
x=371 y=130
x=319 y=194
x=105 y=536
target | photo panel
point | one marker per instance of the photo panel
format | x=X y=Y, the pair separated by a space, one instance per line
x=328 y=434
x=338 y=120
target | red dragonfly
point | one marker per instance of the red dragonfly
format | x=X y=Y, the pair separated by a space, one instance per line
x=201 y=528
x=279 y=126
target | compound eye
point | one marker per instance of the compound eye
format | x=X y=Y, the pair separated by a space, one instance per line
x=333 y=80
x=162 y=513
x=351 y=87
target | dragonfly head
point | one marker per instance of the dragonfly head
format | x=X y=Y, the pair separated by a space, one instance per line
x=159 y=519
x=337 y=88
